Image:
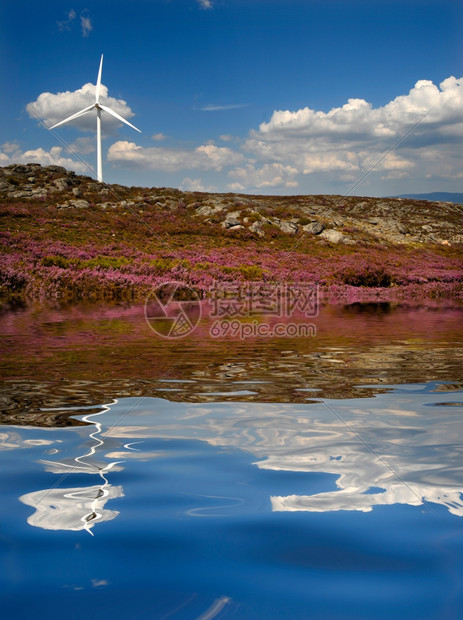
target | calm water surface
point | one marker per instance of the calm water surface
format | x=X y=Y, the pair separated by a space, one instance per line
x=206 y=478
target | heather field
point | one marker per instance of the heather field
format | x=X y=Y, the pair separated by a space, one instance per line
x=118 y=254
x=57 y=248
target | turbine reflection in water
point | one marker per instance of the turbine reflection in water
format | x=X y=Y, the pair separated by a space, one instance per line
x=76 y=508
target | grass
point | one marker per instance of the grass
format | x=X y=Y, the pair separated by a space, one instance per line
x=119 y=254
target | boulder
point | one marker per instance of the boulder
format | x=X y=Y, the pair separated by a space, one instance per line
x=256 y=227
x=287 y=227
x=79 y=204
x=331 y=235
x=40 y=192
x=207 y=210
x=62 y=183
x=314 y=227
x=231 y=219
x=230 y=222
x=54 y=168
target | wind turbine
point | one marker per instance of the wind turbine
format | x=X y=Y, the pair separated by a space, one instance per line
x=98 y=107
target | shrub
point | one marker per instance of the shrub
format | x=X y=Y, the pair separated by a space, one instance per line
x=371 y=276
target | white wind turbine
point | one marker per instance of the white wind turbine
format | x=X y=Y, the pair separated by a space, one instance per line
x=98 y=107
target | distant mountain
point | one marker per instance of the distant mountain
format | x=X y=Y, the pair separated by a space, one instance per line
x=436 y=196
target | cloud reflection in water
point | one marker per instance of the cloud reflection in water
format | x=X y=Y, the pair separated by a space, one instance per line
x=410 y=451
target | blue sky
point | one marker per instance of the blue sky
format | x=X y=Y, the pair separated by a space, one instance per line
x=255 y=96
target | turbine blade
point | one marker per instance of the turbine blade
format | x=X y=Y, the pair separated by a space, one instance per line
x=98 y=82
x=76 y=115
x=109 y=111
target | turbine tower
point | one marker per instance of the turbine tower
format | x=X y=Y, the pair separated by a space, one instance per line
x=98 y=107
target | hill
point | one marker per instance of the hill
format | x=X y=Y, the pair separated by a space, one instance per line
x=456 y=198
x=66 y=236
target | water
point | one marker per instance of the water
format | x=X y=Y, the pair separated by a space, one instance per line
x=285 y=478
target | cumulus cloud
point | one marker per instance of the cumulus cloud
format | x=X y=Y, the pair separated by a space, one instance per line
x=159 y=137
x=84 y=146
x=195 y=185
x=269 y=175
x=11 y=153
x=354 y=138
x=204 y=157
x=53 y=108
x=358 y=119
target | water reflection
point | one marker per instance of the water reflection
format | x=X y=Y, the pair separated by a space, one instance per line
x=400 y=447
x=50 y=356
x=77 y=508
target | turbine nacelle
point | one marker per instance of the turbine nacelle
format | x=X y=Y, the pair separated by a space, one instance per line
x=99 y=107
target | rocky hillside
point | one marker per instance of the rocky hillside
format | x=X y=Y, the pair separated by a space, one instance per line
x=65 y=235
x=336 y=219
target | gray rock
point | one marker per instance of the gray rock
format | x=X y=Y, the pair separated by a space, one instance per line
x=230 y=222
x=56 y=169
x=207 y=210
x=231 y=219
x=79 y=204
x=77 y=191
x=288 y=227
x=314 y=227
x=236 y=227
x=62 y=183
x=256 y=227
x=403 y=230
x=21 y=194
x=40 y=192
x=20 y=168
x=331 y=235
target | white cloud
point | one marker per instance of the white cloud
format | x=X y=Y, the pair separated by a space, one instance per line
x=235 y=187
x=65 y=23
x=84 y=146
x=231 y=106
x=269 y=175
x=205 y=4
x=195 y=185
x=39 y=156
x=9 y=147
x=205 y=157
x=353 y=138
x=159 y=137
x=86 y=25
x=53 y=108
